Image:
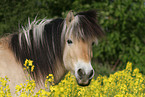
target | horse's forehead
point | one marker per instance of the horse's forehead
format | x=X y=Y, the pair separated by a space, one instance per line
x=81 y=46
x=83 y=42
x=76 y=35
x=81 y=49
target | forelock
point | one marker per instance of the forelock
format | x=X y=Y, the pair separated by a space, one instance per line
x=84 y=26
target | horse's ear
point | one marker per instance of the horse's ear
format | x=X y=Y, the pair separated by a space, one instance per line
x=69 y=17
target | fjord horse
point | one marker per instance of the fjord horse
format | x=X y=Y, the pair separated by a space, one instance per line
x=56 y=46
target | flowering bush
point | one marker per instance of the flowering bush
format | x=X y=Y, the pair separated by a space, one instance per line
x=4 y=87
x=125 y=83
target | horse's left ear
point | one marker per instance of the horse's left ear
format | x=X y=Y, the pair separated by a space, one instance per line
x=69 y=17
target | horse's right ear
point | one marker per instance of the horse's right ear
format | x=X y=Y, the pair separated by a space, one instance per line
x=69 y=18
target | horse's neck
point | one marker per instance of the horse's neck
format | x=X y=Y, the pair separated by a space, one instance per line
x=9 y=66
x=59 y=73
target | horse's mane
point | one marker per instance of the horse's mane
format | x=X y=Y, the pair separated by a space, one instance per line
x=84 y=26
x=43 y=41
x=40 y=43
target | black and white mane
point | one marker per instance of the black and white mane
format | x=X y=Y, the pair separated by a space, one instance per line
x=43 y=41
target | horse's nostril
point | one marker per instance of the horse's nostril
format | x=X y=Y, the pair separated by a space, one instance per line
x=80 y=72
x=90 y=75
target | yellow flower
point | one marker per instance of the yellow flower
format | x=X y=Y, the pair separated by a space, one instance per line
x=30 y=62
x=26 y=62
x=28 y=65
x=50 y=74
x=129 y=66
x=120 y=84
x=18 y=88
x=32 y=68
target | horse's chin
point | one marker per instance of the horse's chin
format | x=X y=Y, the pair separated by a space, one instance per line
x=83 y=83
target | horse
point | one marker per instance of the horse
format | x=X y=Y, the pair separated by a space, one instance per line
x=56 y=47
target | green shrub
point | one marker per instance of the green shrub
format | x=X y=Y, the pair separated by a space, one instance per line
x=124 y=25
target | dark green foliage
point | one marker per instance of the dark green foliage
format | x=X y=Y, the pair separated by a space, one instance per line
x=123 y=22
x=14 y=13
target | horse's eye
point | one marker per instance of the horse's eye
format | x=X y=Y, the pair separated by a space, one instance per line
x=69 y=41
x=93 y=43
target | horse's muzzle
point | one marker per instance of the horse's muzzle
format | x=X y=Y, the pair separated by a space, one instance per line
x=83 y=83
x=84 y=79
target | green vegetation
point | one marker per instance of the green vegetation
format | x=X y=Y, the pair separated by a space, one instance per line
x=123 y=22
